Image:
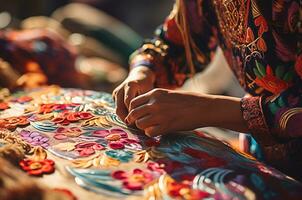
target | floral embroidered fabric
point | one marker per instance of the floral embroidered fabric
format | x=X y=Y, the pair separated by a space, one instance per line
x=78 y=130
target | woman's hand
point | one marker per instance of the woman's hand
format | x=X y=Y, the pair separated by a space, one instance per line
x=161 y=111
x=139 y=81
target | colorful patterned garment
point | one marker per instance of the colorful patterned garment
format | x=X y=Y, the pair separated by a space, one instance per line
x=261 y=41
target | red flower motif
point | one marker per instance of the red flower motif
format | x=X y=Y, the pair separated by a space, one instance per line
x=23 y=99
x=37 y=168
x=271 y=82
x=48 y=108
x=261 y=22
x=65 y=118
x=88 y=148
x=116 y=145
x=172 y=32
x=207 y=160
x=135 y=180
x=183 y=190
x=4 y=106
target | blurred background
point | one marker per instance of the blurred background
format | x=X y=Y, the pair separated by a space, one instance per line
x=100 y=35
x=143 y=16
x=86 y=44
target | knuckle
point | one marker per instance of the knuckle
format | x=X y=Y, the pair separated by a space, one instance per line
x=139 y=124
x=127 y=100
x=131 y=84
x=153 y=105
x=148 y=133
x=134 y=114
x=114 y=93
x=131 y=104
x=157 y=92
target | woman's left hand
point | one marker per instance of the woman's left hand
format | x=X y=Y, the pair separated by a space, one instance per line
x=161 y=111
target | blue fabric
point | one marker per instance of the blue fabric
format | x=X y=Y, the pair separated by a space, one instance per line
x=255 y=149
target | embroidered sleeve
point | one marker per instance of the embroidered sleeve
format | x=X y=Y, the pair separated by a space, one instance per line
x=253 y=115
x=165 y=54
x=278 y=113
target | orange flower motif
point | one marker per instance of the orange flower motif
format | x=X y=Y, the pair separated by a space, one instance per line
x=4 y=106
x=249 y=35
x=37 y=168
x=13 y=122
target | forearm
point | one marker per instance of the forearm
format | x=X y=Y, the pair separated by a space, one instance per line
x=222 y=111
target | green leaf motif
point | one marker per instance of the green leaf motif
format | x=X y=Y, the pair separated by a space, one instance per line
x=273 y=108
x=261 y=69
x=288 y=77
x=257 y=73
x=279 y=71
x=281 y=102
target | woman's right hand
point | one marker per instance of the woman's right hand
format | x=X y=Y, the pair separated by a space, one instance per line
x=139 y=81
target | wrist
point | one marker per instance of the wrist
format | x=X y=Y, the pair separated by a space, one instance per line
x=144 y=72
x=223 y=111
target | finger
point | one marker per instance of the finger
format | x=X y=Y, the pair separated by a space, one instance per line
x=114 y=93
x=121 y=109
x=153 y=131
x=130 y=93
x=137 y=113
x=145 y=122
x=139 y=101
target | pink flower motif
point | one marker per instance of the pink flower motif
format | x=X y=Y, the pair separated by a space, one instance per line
x=156 y=167
x=121 y=132
x=88 y=148
x=132 y=144
x=60 y=136
x=105 y=133
x=101 y=133
x=118 y=139
x=134 y=180
x=116 y=145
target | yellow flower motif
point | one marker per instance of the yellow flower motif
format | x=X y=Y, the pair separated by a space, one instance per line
x=67 y=146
